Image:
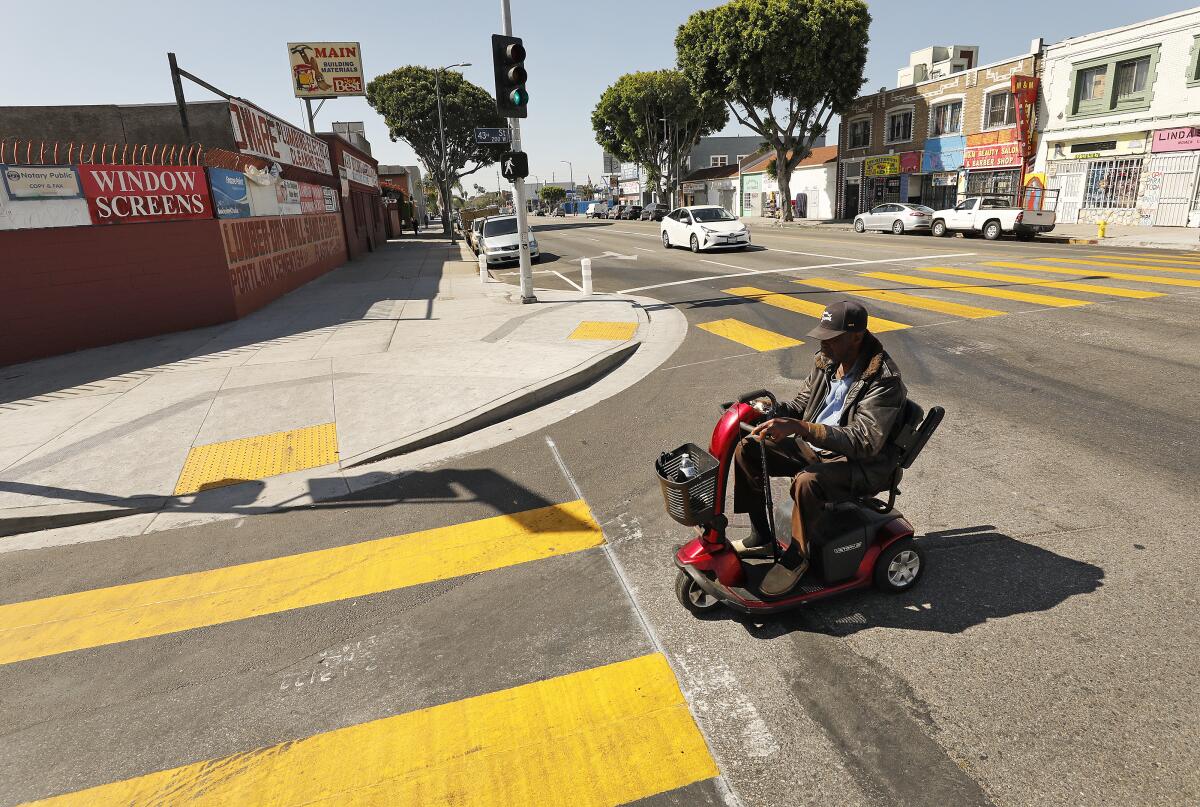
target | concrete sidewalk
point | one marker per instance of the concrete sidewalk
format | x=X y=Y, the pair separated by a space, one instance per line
x=381 y=357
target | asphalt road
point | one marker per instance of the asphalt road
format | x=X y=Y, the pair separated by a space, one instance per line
x=1049 y=655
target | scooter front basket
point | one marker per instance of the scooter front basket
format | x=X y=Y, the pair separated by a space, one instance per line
x=690 y=501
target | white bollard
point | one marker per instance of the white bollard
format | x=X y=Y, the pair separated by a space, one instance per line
x=586 y=265
x=483 y=275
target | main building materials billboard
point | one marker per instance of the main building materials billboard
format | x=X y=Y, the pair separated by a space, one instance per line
x=326 y=69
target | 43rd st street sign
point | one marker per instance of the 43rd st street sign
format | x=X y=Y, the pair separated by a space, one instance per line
x=500 y=135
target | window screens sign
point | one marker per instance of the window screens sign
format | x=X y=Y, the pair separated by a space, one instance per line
x=125 y=194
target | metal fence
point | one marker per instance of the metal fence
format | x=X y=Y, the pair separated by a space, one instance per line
x=48 y=152
x=1112 y=184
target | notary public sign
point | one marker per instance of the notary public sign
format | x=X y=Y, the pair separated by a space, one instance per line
x=40 y=181
x=264 y=135
x=127 y=194
x=326 y=69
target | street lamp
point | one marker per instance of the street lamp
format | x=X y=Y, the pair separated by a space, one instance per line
x=574 y=207
x=437 y=83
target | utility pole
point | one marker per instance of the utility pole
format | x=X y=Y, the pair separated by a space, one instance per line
x=437 y=83
x=527 y=295
x=574 y=190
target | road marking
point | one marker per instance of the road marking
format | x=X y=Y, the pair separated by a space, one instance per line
x=104 y=616
x=983 y=291
x=1114 y=265
x=605 y=331
x=899 y=298
x=799 y=268
x=809 y=308
x=744 y=270
x=1065 y=285
x=808 y=254
x=634 y=232
x=1037 y=267
x=232 y=461
x=645 y=249
x=743 y=333
x=604 y=736
x=569 y=280
x=1152 y=258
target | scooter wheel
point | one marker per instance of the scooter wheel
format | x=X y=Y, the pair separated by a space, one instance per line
x=692 y=597
x=899 y=567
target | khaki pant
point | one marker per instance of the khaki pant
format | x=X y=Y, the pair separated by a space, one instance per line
x=813 y=485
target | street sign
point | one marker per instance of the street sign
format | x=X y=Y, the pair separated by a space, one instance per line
x=514 y=165
x=500 y=135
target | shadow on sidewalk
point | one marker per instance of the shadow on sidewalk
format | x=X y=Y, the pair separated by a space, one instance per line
x=399 y=270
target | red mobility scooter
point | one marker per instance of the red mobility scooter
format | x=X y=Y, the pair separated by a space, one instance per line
x=855 y=543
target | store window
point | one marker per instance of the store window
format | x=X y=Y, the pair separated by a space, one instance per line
x=1112 y=184
x=1000 y=110
x=995 y=183
x=900 y=126
x=860 y=134
x=1122 y=82
x=946 y=119
x=718 y=160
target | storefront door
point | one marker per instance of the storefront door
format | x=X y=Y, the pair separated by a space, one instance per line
x=850 y=200
x=1172 y=179
x=1068 y=181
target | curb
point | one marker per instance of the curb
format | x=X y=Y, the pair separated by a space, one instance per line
x=54 y=516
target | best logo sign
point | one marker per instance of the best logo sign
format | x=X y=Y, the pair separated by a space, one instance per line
x=125 y=194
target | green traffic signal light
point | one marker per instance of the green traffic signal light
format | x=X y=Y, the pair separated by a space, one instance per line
x=518 y=97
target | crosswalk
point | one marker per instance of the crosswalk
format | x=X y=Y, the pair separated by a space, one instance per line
x=950 y=292
x=597 y=736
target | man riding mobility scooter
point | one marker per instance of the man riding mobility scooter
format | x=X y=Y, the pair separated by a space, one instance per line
x=855 y=543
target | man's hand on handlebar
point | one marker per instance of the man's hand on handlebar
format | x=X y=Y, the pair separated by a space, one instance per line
x=778 y=429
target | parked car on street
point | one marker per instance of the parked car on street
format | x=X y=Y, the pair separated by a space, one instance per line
x=473 y=233
x=899 y=217
x=615 y=212
x=599 y=210
x=631 y=212
x=993 y=216
x=499 y=242
x=559 y=211
x=654 y=212
x=704 y=227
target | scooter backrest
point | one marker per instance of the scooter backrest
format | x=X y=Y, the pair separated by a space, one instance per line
x=922 y=433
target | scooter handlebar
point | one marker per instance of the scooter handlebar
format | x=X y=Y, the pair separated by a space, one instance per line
x=758 y=393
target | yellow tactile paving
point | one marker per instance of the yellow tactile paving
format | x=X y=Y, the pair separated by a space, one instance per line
x=982 y=291
x=809 y=308
x=1152 y=258
x=1064 y=285
x=1038 y=267
x=232 y=461
x=600 y=737
x=900 y=298
x=1115 y=265
x=123 y=613
x=608 y=331
x=749 y=335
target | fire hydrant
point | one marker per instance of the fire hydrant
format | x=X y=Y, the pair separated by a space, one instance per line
x=1100 y=228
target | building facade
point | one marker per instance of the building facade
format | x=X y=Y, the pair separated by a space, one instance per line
x=1121 y=141
x=813 y=185
x=933 y=141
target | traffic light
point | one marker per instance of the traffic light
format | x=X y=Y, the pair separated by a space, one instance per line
x=508 y=63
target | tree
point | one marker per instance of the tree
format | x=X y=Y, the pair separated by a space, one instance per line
x=655 y=119
x=407 y=100
x=783 y=67
x=552 y=194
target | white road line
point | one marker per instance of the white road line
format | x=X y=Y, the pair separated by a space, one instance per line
x=644 y=249
x=809 y=254
x=634 y=232
x=745 y=270
x=796 y=269
x=588 y=237
x=569 y=280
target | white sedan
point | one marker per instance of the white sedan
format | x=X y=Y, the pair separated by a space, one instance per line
x=704 y=227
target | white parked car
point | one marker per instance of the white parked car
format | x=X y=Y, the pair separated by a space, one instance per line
x=992 y=216
x=499 y=242
x=704 y=227
x=899 y=217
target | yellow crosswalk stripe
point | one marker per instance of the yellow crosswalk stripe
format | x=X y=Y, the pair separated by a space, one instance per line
x=1065 y=285
x=749 y=335
x=899 y=298
x=122 y=613
x=983 y=291
x=808 y=307
x=1153 y=258
x=1113 y=265
x=600 y=737
x=1037 y=267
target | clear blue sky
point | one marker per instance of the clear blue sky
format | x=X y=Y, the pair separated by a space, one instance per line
x=79 y=52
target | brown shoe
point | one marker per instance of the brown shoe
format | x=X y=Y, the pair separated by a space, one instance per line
x=785 y=574
x=752 y=546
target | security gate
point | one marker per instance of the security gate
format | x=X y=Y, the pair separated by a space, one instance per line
x=1068 y=180
x=1172 y=180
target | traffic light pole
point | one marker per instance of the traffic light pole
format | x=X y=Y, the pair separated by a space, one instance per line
x=527 y=295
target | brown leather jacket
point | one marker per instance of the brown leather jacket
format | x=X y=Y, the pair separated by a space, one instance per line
x=869 y=416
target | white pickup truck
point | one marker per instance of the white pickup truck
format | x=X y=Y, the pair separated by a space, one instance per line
x=993 y=216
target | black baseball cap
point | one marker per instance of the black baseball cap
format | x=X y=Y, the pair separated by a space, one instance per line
x=844 y=316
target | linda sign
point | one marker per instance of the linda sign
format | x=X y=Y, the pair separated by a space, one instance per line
x=125 y=194
x=1184 y=138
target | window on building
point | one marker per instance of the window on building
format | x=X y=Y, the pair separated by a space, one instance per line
x=1000 y=110
x=718 y=160
x=860 y=134
x=1091 y=83
x=1131 y=77
x=1193 y=76
x=900 y=126
x=1112 y=183
x=1122 y=82
x=947 y=119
